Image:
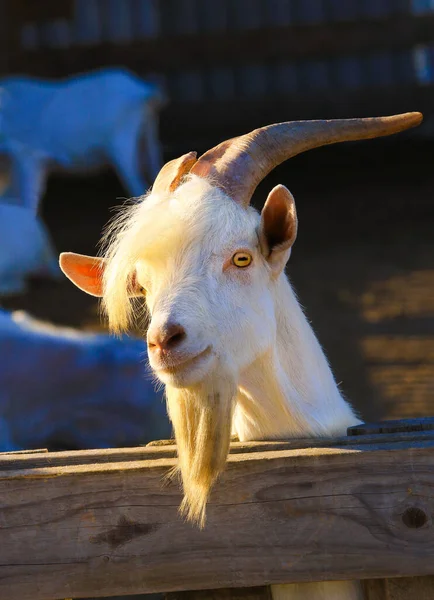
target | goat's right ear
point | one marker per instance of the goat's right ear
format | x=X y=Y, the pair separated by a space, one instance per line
x=278 y=228
x=86 y=272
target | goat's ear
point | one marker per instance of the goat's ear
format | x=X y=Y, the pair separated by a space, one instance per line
x=278 y=228
x=86 y=272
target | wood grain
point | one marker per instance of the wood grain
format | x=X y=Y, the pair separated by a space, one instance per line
x=25 y=452
x=402 y=588
x=255 y=593
x=275 y=516
x=410 y=588
x=393 y=426
x=23 y=459
x=375 y=589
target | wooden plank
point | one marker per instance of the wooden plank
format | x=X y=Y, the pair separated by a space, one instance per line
x=393 y=426
x=248 y=593
x=202 y=50
x=274 y=517
x=402 y=588
x=410 y=588
x=25 y=452
x=13 y=461
x=375 y=589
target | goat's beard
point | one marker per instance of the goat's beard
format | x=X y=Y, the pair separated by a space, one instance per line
x=202 y=420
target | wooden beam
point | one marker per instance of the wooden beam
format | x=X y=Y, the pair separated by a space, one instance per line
x=22 y=459
x=203 y=50
x=351 y=510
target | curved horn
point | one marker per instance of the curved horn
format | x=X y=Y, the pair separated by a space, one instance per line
x=170 y=176
x=240 y=164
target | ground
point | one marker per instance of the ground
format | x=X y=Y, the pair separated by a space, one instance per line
x=363 y=265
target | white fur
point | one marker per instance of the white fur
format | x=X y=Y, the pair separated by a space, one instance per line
x=181 y=247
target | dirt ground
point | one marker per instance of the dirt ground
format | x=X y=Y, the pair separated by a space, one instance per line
x=363 y=265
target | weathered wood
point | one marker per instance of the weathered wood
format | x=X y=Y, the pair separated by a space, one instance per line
x=375 y=589
x=27 y=460
x=255 y=593
x=395 y=426
x=25 y=452
x=402 y=588
x=274 y=517
x=410 y=588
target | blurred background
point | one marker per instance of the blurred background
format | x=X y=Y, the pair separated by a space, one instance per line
x=363 y=264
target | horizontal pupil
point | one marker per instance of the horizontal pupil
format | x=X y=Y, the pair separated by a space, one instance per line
x=242 y=260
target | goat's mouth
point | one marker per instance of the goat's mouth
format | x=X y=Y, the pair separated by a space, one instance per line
x=181 y=371
x=170 y=366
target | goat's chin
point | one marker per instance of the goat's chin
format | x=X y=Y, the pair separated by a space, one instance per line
x=188 y=373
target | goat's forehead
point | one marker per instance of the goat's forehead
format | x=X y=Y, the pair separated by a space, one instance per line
x=204 y=208
x=199 y=218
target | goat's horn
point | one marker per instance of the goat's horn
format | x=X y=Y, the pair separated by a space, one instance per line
x=170 y=176
x=240 y=164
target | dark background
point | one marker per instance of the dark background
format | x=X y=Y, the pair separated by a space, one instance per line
x=363 y=263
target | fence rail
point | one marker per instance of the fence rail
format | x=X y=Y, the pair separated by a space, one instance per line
x=103 y=522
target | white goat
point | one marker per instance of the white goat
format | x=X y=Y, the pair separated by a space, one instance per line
x=82 y=123
x=227 y=335
x=25 y=249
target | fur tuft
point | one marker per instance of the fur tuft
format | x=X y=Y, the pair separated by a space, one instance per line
x=202 y=417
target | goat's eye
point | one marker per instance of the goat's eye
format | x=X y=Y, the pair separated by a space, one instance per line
x=241 y=259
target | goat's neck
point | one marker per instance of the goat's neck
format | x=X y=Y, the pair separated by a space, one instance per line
x=290 y=391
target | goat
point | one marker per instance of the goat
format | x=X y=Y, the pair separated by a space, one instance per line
x=81 y=123
x=106 y=401
x=227 y=335
x=25 y=249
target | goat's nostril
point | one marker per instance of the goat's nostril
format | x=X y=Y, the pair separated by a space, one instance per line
x=174 y=336
x=166 y=338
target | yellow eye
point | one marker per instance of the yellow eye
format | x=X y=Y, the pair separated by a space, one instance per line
x=241 y=259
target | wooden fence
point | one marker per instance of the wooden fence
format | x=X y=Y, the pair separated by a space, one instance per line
x=105 y=522
x=231 y=65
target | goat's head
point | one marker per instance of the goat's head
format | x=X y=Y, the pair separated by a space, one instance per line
x=207 y=263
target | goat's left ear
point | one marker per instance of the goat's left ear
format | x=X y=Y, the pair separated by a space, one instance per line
x=278 y=228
